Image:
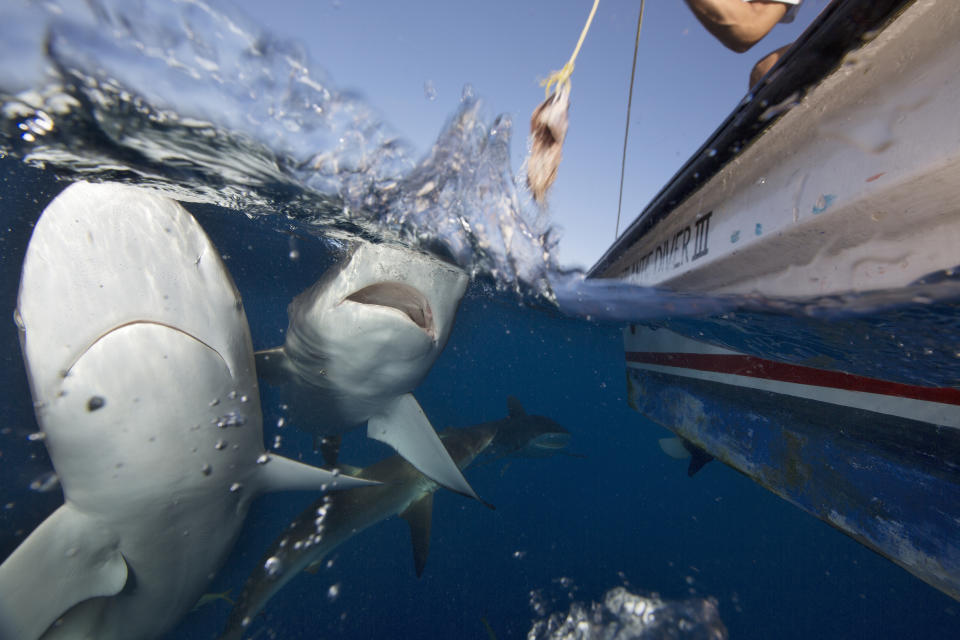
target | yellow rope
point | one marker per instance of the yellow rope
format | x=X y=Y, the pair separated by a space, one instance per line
x=557 y=79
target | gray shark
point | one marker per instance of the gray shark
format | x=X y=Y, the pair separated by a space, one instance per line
x=360 y=340
x=335 y=518
x=522 y=435
x=141 y=369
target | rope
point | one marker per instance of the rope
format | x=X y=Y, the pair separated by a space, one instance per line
x=562 y=77
x=626 y=131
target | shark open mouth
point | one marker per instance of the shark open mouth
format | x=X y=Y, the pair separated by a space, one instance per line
x=401 y=297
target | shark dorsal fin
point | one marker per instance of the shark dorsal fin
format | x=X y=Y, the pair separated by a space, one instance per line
x=67 y=559
x=514 y=408
x=419 y=516
x=271 y=365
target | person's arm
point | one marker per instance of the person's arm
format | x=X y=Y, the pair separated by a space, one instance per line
x=738 y=24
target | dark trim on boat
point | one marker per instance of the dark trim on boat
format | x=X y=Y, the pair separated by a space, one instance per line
x=841 y=27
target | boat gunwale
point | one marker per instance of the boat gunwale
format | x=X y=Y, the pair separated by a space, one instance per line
x=843 y=26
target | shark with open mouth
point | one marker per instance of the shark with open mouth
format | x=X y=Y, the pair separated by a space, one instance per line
x=360 y=340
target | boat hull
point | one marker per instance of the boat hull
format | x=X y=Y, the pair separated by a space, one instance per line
x=818 y=438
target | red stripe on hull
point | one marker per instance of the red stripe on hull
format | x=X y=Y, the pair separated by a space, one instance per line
x=743 y=365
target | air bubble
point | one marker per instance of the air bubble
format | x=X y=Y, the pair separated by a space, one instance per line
x=45 y=482
x=273 y=566
x=231 y=419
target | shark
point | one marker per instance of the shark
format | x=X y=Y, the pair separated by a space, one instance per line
x=523 y=435
x=141 y=368
x=335 y=518
x=359 y=341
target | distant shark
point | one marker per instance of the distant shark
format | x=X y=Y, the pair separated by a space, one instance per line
x=360 y=340
x=522 y=435
x=335 y=518
x=141 y=369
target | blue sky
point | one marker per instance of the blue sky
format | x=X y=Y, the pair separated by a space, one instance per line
x=686 y=83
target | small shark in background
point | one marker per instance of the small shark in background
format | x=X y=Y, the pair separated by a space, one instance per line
x=404 y=491
x=141 y=367
x=359 y=341
x=521 y=435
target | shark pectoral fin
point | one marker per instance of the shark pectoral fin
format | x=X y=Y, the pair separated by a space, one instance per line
x=403 y=425
x=514 y=408
x=284 y=474
x=674 y=448
x=67 y=559
x=272 y=365
x=419 y=516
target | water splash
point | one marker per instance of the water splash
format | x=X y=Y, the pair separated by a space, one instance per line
x=186 y=98
x=627 y=616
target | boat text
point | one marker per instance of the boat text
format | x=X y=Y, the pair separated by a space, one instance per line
x=686 y=245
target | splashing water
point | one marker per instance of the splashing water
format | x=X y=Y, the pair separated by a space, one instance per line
x=191 y=100
x=181 y=97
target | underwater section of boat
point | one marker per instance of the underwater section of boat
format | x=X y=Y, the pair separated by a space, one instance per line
x=848 y=184
x=878 y=460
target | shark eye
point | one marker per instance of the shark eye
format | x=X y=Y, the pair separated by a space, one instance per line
x=401 y=297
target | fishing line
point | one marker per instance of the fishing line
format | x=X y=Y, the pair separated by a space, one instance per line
x=626 y=132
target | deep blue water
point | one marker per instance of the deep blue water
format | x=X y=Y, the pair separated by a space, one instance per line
x=570 y=528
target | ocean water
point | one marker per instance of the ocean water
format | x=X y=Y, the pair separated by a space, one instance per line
x=282 y=170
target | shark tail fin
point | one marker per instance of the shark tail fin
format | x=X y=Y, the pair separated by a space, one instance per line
x=419 y=515
x=67 y=559
x=403 y=425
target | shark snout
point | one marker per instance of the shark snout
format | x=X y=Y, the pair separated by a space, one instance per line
x=402 y=297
